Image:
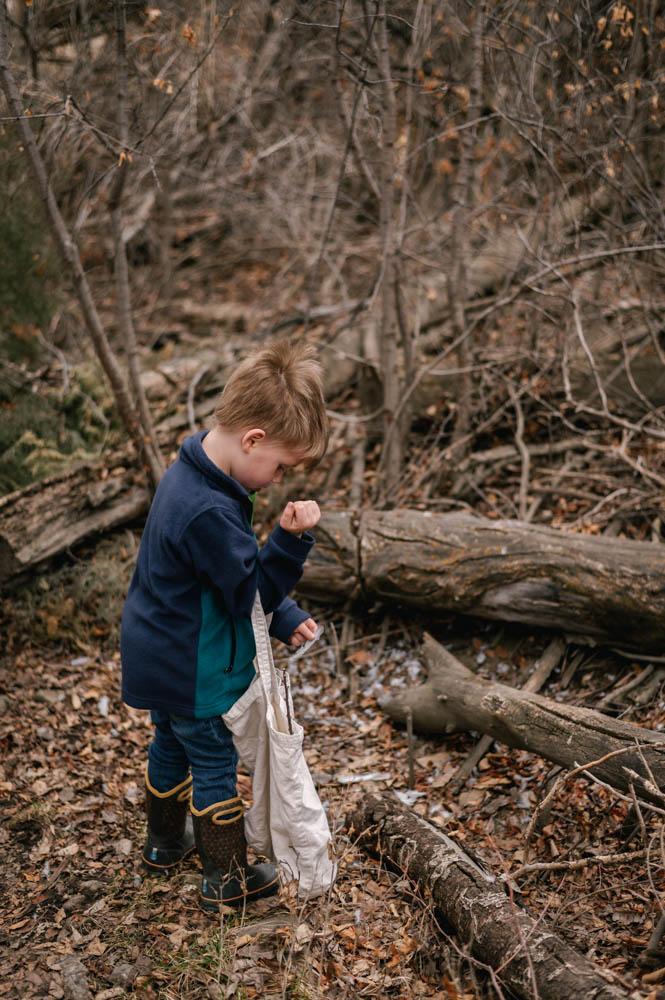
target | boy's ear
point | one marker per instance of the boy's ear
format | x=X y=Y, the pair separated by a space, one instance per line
x=251 y=438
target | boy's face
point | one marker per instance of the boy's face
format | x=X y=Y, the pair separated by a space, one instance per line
x=262 y=461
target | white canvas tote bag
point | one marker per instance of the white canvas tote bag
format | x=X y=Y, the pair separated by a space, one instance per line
x=287 y=821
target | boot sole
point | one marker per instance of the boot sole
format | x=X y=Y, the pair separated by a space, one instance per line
x=156 y=869
x=213 y=905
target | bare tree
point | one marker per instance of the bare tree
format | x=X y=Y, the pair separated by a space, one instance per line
x=463 y=196
x=69 y=254
x=393 y=443
x=123 y=290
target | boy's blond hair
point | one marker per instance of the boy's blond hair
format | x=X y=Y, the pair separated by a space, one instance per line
x=280 y=389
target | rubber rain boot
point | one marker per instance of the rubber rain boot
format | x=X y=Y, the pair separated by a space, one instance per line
x=227 y=877
x=170 y=830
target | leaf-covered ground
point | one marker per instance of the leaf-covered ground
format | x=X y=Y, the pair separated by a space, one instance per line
x=80 y=918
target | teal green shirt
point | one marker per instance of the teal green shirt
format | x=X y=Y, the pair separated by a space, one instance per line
x=223 y=639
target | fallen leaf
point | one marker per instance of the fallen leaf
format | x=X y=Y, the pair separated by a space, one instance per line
x=441 y=780
x=433 y=759
x=179 y=936
x=303 y=934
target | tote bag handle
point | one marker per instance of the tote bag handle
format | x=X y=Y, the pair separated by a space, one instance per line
x=266 y=667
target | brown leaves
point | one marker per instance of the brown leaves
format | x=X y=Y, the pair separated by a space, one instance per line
x=77 y=800
x=189 y=34
x=452 y=992
x=360 y=658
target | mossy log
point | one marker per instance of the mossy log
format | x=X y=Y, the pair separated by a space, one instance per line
x=526 y=954
x=605 y=590
x=454 y=699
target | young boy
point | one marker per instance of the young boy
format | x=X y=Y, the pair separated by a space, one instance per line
x=187 y=643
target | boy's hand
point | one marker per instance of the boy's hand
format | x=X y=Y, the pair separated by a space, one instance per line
x=305 y=631
x=300 y=516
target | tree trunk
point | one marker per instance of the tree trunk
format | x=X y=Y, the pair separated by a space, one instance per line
x=51 y=516
x=463 y=198
x=502 y=256
x=80 y=503
x=393 y=443
x=152 y=453
x=529 y=958
x=607 y=590
x=455 y=699
x=70 y=257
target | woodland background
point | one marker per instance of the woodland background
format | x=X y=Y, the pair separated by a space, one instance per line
x=462 y=205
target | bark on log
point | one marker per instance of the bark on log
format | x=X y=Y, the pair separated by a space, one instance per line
x=537 y=680
x=453 y=699
x=532 y=959
x=50 y=516
x=605 y=590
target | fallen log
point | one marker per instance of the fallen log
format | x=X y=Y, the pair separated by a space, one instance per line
x=606 y=590
x=542 y=670
x=52 y=515
x=454 y=699
x=526 y=954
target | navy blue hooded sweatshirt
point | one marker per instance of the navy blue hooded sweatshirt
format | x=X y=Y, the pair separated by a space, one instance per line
x=186 y=641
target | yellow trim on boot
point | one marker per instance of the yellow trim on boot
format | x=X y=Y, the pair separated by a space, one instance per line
x=184 y=789
x=223 y=813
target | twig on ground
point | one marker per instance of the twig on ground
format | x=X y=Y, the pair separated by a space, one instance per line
x=409 y=736
x=617 y=693
x=577 y=864
x=653 y=952
x=584 y=769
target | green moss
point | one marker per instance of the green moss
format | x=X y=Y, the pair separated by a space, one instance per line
x=29 y=280
x=44 y=431
x=43 y=428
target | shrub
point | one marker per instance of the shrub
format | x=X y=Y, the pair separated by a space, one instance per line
x=29 y=285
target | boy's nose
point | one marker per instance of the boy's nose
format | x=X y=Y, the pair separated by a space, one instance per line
x=278 y=476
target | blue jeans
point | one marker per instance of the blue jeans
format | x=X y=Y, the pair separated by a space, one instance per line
x=203 y=745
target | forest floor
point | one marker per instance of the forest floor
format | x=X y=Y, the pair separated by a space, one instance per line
x=255 y=225
x=81 y=919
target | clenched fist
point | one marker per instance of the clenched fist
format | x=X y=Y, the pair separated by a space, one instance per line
x=299 y=516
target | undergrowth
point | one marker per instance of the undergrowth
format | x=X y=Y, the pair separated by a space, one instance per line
x=30 y=282
x=78 y=603
x=46 y=429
